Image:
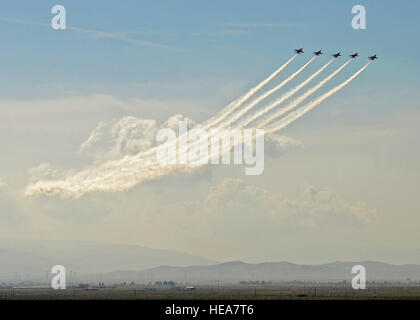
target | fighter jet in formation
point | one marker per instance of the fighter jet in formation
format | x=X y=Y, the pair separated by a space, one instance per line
x=335 y=55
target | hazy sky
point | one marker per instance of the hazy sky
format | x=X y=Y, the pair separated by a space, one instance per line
x=343 y=185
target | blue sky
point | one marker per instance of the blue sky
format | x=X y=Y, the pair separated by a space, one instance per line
x=358 y=151
x=235 y=39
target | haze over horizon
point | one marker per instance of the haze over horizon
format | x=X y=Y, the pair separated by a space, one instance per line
x=340 y=184
x=29 y=261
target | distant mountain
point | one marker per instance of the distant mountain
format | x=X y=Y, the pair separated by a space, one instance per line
x=233 y=272
x=33 y=258
x=22 y=265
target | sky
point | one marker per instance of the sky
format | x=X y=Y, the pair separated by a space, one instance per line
x=339 y=184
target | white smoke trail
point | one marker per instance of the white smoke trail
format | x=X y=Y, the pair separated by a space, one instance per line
x=113 y=176
x=248 y=107
x=300 y=99
x=243 y=111
x=124 y=173
x=284 y=97
x=229 y=109
x=238 y=115
x=240 y=101
x=129 y=171
x=110 y=177
x=235 y=116
x=292 y=117
x=305 y=109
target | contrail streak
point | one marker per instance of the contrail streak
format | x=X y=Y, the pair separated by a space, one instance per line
x=292 y=117
x=240 y=101
x=96 y=33
x=284 y=97
x=231 y=107
x=109 y=177
x=125 y=173
x=248 y=107
x=300 y=99
x=238 y=115
x=305 y=109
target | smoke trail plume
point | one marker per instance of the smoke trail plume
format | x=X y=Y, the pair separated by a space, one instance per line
x=248 y=107
x=110 y=177
x=232 y=106
x=125 y=173
x=284 y=97
x=292 y=117
x=240 y=101
x=240 y=113
x=300 y=99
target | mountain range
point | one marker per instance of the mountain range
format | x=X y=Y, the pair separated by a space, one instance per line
x=236 y=271
x=92 y=261
x=31 y=259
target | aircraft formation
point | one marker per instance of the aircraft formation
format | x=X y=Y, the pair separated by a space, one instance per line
x=335 y=55
x=245 y=112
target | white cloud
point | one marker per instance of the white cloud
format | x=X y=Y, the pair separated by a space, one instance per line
x=277 y=142
x=116 y=138
x=322 y=206
x=219 y=216
x=2 y=183
x=127 y=136
x=173 y=122
x=120 y=148
x=231 y=32
x=260 y=25
x=314 y=206
x=47 y=172
x=10 y=214
x=235 y=209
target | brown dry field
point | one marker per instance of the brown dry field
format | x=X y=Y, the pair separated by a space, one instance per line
x=216 y=292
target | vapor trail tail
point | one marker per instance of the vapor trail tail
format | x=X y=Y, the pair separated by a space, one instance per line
x=253 y=103
x=241 y=100
x=292 y=117
x=300 y=99
x=284 y=97
x=231 y=107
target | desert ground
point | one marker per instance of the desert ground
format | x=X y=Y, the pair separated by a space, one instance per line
x=411 y=292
